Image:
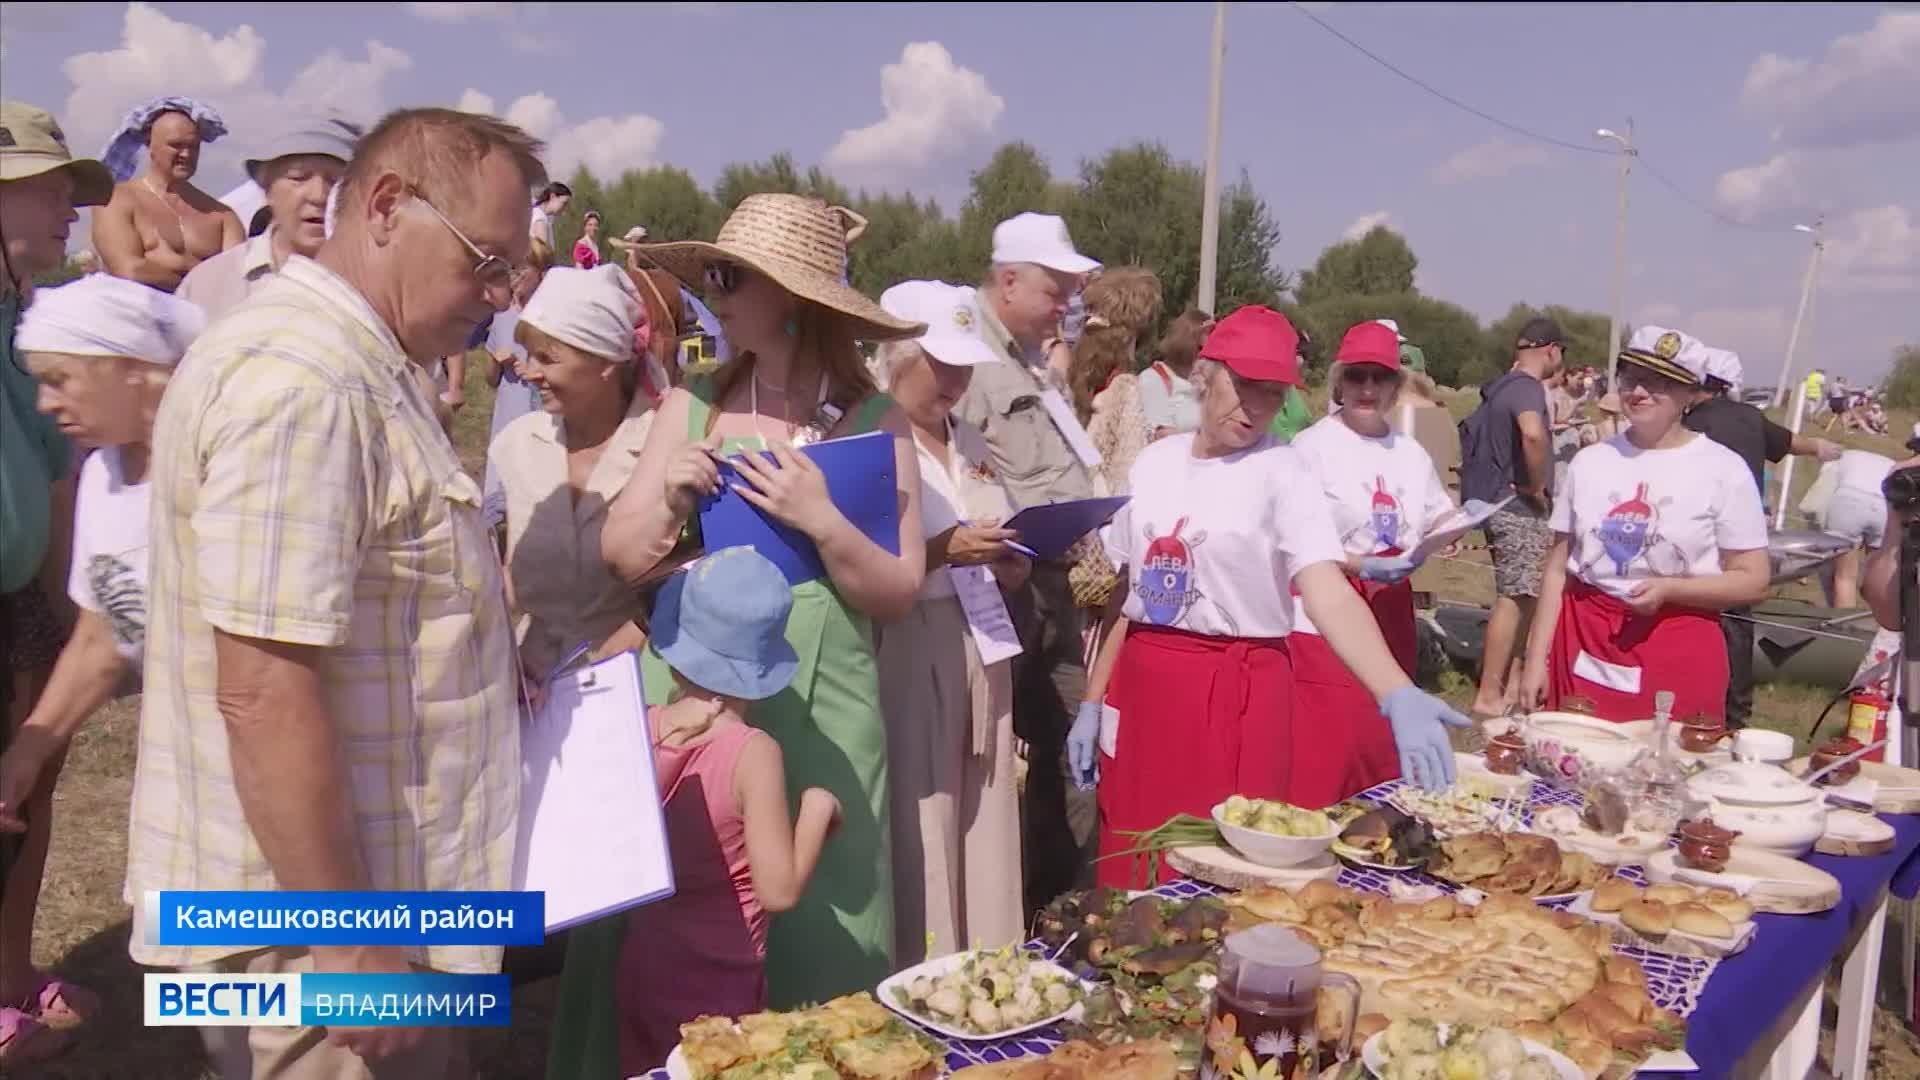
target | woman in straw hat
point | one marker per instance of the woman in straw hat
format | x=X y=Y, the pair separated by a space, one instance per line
x=1657 y=531
x=775 y=278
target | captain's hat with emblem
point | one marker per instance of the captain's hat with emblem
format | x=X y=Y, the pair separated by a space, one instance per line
x=1677 y=355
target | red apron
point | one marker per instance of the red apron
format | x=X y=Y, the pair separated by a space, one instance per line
x=1604 y=652
x=1201 y=718
x=1341 y=708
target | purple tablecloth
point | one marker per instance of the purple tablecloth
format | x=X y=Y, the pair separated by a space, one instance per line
x=1750 y=993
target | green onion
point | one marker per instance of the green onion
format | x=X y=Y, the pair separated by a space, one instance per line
x=1180 y=830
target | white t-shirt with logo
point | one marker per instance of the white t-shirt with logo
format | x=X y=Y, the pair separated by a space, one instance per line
x=1212 y=544
x=1383 y=493
x=109 y=573
x=1633 y=514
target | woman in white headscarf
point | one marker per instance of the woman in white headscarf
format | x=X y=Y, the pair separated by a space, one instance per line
x=586 y=334
x=103 y=348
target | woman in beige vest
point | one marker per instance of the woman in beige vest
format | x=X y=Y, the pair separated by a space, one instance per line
x=560 y=466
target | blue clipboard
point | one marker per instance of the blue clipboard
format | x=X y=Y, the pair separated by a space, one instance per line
x=862 y=481
x=1052 y=528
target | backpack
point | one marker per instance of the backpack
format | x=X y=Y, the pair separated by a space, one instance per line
x=1476 y=441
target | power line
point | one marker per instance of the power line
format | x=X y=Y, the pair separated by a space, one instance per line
x=1700 y=206
x=1528 y=132
x=1453 y=101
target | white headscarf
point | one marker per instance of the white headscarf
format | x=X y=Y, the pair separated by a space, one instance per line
x=102 y=315
x=597 y=311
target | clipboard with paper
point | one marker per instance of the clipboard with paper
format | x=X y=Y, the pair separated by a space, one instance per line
x=592 y=831
x=1453 y=526
x=861 y=480
x=1052 y=528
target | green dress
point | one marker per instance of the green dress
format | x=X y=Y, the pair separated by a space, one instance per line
x=839 y=937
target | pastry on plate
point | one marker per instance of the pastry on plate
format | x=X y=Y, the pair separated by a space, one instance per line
x=884 y=1057
x=711 y=1045
x=1700 y=919
x=1670 y=893
x=1647 y=917
x=1731 y=905
x=1613 y=894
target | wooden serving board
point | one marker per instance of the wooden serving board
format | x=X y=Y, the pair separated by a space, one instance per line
x=1220 y=866
x=1850 y=832
x=1791 y=887
x=1899 y=788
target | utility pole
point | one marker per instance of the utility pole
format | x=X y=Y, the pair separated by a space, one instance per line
x=1806 y=293
x=1801 y=318
x=1210 y=211
x=1627 y=154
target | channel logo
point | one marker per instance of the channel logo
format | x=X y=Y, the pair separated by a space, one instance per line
x=325 y=999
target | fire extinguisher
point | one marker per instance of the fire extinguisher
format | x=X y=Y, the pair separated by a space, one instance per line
x=1867 y=713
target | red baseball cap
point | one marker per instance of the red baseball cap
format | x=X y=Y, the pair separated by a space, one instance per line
x=1370 y=343
x=1256 y=343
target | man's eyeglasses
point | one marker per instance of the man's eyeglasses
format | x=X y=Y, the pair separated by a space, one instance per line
x=492 y=271
x=722 y=277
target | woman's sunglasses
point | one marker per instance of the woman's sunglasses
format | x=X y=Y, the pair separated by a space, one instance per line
x=1362 y=374
x=722 y=277
x=1652 y=382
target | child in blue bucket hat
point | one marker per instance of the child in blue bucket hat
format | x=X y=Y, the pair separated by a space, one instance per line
x=739 y=854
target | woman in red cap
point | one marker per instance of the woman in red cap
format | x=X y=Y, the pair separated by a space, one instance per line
x=1224 y=524
x=1384 y=496
x=1657 y=531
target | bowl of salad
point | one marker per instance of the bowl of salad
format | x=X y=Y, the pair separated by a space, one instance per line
x=1274 y=833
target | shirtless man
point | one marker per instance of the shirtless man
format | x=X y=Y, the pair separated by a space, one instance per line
x=158 y=225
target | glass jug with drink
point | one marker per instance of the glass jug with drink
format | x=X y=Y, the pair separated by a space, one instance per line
x=1265 y=1005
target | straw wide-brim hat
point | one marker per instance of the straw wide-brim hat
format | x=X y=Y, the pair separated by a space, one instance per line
x=799 y=242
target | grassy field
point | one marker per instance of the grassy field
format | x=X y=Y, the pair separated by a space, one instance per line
x=82 y=927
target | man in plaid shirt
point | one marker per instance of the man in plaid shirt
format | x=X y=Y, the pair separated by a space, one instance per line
x=330 y=679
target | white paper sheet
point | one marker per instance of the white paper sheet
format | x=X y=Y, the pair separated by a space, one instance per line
x=987 y=614
x=593 y=836
x=1070 y=429
x=1110 y=731
x=1453 y=527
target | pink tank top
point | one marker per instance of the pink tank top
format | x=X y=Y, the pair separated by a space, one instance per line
x=713 y=899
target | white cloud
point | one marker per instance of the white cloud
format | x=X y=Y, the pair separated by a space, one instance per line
x=1365 y=224
x=160 y=55
x=1493 y=157
x=935 y=110
x=1866 y=89
x=606 y=145
x=1770 y=188
x=1875 y=250
x=458 y=13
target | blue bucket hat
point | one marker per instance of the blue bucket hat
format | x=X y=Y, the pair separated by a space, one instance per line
x=722 y=625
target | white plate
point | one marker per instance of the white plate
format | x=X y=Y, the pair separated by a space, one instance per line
x=940 y=965
x=1374 y=1054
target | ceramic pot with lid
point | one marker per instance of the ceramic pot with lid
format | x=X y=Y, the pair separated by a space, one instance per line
x=1706 y=846
x=1833 y=750
x=1506 y=753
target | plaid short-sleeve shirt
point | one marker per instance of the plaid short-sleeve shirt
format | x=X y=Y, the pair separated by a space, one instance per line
x=304 y=493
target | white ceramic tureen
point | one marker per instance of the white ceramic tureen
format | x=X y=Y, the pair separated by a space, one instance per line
x=1770 y=807
x=1568 y=750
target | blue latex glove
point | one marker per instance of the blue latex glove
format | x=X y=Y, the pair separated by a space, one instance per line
x=1083 y=742
x=1386 y=569
x=1420 y=723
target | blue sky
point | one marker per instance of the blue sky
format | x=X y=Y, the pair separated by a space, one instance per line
x=1768 y=114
